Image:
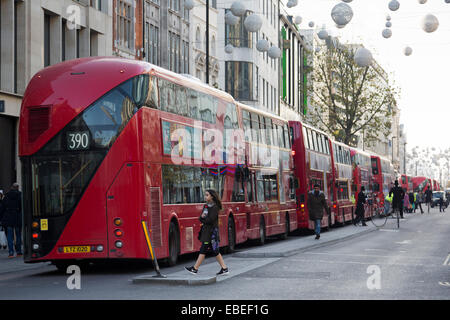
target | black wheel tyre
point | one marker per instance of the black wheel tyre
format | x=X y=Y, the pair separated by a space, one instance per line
x=262 y=232
x=231 y=236
x=174 y=245
x=343 y=218
x=285 y=235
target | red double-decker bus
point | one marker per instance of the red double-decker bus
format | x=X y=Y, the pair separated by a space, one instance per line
x=362 y=174
x=383 y=176
x=406 y=182
x=312 y=165
x=421 y=184
x=343 y=176
x=117 y=155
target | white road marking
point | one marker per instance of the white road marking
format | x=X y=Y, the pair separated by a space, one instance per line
x=446 y=262
x=390 y=230
x=445 y=284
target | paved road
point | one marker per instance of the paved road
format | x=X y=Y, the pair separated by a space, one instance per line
x=410 y=263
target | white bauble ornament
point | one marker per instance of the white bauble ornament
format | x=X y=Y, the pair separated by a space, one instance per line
x=422 y=1
x=238 y=8
x=311 y=24
x=363 y=57
x=274 y=52
x=229 y=48
x=189 y=4
x=388 y=24
x=430 y=23
x=388 y=18
x=387 y=33
x=407 y=51
x=262 y=45
x=394 y=5
x=298 y=20
x=253 y=23
x=342 y=13
x=322 y=34
x=231 y=19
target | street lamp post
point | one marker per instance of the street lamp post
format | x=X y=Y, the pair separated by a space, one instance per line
x=393 y=148
x=404 y=157
x=207 y=42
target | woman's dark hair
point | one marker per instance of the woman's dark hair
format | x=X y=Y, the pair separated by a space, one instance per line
x=215 y=197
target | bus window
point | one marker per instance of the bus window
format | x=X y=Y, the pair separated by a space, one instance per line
x=374 y=166
x=276 y=137
x=305 y=138
x=247 y=125
x=268 y=130
x=250 y=187
x=208 y=108
x=314 y=140
x=259 y=187
x=280 y=136
x=286 y=137
x=311 y=144
x=262 y=129
x=194 y=102
x=152 y=98
x=319 y=142
x=256 y=133
x=327 y=147
x=238 y=188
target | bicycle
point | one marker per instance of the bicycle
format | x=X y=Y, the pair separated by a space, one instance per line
x=395 y=214
x=378 y=216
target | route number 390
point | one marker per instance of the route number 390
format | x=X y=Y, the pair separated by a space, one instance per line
x=78 y=140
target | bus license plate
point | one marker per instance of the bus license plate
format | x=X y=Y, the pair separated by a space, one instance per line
x=77 y=249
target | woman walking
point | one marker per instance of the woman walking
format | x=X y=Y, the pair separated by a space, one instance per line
x=209 y=234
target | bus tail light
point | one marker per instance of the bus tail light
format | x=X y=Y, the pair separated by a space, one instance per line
x=35 y=235
x=118 y=221
x=35 y=225
x=119 y=244
x=118 y=233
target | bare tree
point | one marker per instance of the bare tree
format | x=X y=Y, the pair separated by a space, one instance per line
x=347 y=99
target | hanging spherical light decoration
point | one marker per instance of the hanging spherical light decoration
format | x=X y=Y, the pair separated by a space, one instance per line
x=274 y=52
x=311 y=24
x=322 y=34
x=387 y=33
x=430 y=23
x=292 y=3
x=347 y=1
x=388 y=24
x=422 y=1
x=388 y=18
x=340 y=26
x=262 y=45
x=363 y=57
x=231 y=19
x=342 y=13
x=189 y=4
x=447 y=1
x=253 y=23
x=298 y=20
x=238 y=8
x=229 y=48
x=407 y=51
x=394 y=5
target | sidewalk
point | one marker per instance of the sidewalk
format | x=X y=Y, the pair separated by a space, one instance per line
x=15 y=264
x=256 y=257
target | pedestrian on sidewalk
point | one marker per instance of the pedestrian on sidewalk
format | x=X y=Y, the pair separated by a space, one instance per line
x=360 y=208
x=12 y=219
x=316 y=204
x=428 y=197
x=419 y=200
x=397 y=201
x=406 y=203
x=209 y=234
x=441 y=204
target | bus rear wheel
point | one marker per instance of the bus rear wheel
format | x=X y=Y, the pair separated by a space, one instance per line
x=262 y=231
x=231 y=236
x=174 y=245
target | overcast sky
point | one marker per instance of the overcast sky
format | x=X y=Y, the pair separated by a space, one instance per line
x=423 y=77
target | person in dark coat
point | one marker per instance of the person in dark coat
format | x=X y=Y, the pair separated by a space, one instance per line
x=12 y=219
x=209 y=234
x=428 y=197
x=397 y=201
x=360 y=207
x=316 y=204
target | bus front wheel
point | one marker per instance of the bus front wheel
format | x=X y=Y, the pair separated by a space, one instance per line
x=174 y=244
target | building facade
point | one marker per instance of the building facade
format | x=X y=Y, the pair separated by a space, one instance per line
x=35 y=34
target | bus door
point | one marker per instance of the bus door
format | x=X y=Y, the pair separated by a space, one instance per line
x=123 y=213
